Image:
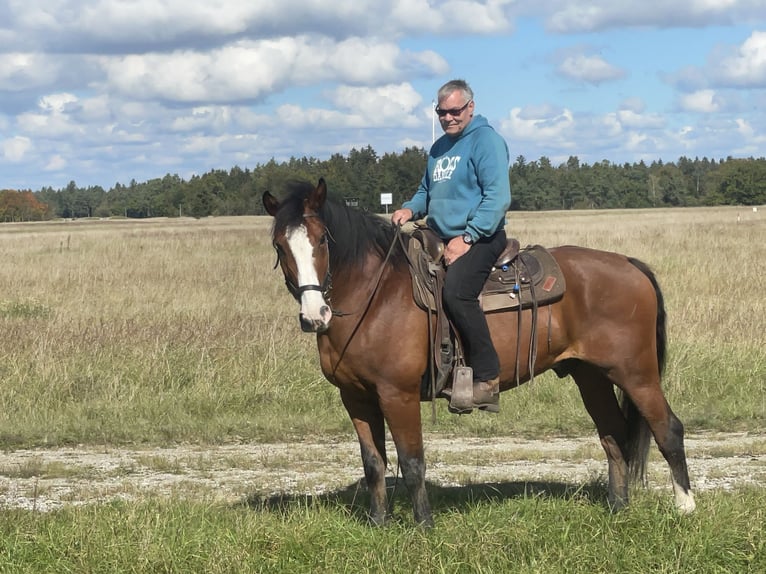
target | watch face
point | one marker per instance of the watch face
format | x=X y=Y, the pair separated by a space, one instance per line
x=467 y=238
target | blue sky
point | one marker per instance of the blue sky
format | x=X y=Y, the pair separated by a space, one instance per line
x=105 y=91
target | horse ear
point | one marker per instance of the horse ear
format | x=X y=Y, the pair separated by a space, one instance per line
x=316 y=199
x=270 y=203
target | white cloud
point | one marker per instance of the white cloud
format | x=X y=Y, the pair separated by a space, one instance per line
x=703 y=101
x=589 y=68
x=628 y=132
x=21 y=71
x=250 y=70
x=96 y=109
x=57 y=103
x=56 y=163
x=357 y=107
x=215 y=145
x=539 y=124
x=727 y=66
x=744 y=128
x=416 y=143
x=630 y=119
x=387 y=105
x=295 y=118
x=15 y=149
x=93 y=26
x=566 y=16
x=637 y=142
x=633 y=104
x=746 y=67
x=476 y=17
x=205 y=118
x=752 y=141
x=52 y=119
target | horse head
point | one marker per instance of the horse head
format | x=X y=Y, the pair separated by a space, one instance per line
x=300 y=238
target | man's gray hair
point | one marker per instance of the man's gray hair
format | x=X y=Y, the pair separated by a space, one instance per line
x=455 y=85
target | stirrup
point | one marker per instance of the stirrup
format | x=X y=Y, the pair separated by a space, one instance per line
x=461 y=401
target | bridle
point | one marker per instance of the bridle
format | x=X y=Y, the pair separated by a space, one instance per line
x=297 y=290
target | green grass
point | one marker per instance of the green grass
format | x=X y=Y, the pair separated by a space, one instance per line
x=477 y=530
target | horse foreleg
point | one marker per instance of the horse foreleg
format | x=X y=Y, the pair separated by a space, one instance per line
x=598 y=396
x=369 y=424
x=403 y=417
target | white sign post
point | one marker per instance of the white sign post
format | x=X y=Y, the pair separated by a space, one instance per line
x=386 y=199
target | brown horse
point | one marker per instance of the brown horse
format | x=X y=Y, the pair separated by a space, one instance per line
x=351 y=277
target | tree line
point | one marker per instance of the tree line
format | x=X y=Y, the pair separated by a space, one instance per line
x=362 y=176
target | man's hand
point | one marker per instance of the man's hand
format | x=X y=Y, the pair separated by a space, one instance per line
x=454 y=249
x=401 y=216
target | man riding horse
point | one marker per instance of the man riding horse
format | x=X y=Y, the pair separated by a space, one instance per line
x=465 y=192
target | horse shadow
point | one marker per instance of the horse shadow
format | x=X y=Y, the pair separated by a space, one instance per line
x=354 y=498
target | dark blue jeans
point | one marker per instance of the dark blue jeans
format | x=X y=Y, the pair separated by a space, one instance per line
x=462 y=286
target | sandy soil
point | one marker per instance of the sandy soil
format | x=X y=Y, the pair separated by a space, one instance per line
x=45 y=479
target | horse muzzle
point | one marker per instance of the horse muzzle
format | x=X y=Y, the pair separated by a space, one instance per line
x=315 y=325
x=315 y=313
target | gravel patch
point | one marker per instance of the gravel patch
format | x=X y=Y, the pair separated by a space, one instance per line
x=47 y=479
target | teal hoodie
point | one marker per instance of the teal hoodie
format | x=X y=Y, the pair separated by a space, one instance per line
x=465 y=187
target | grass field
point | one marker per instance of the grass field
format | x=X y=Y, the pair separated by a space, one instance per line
x=179 y=331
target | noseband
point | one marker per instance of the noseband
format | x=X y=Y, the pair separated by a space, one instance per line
x=296 y=291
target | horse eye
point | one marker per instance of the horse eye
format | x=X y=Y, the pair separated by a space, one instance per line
x=323 y=239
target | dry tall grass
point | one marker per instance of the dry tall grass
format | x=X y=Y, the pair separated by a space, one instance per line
x=171 y=330
x=711 y=264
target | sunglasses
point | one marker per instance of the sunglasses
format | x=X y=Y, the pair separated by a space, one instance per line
x=453 y=112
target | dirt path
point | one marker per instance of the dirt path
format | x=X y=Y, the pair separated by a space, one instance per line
x=45 y=479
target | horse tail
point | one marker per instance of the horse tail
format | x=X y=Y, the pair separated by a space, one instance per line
x=639 y=434
x=661 y=316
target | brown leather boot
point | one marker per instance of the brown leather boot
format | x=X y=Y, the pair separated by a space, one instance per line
x=486 y=395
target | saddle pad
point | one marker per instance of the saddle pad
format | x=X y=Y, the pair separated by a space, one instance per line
x=422 y=271
x=537 y=270
x=533 y=278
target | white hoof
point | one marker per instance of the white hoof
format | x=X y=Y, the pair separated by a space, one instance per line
x=684 y=500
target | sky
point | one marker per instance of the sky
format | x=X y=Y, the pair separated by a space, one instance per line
x=107 y=91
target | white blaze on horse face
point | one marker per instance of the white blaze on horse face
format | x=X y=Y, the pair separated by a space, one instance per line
x=315 y=312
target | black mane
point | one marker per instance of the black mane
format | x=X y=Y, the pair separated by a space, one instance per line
x=353 y=233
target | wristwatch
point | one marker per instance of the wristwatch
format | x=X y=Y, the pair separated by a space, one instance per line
x=467 y=239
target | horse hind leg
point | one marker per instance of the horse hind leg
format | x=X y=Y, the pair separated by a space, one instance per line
x=618 y=473
x=672 y=448
x=646 y=394
x=641 y=382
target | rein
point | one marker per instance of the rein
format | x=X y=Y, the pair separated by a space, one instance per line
x=397 y=239
x=362 y=311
